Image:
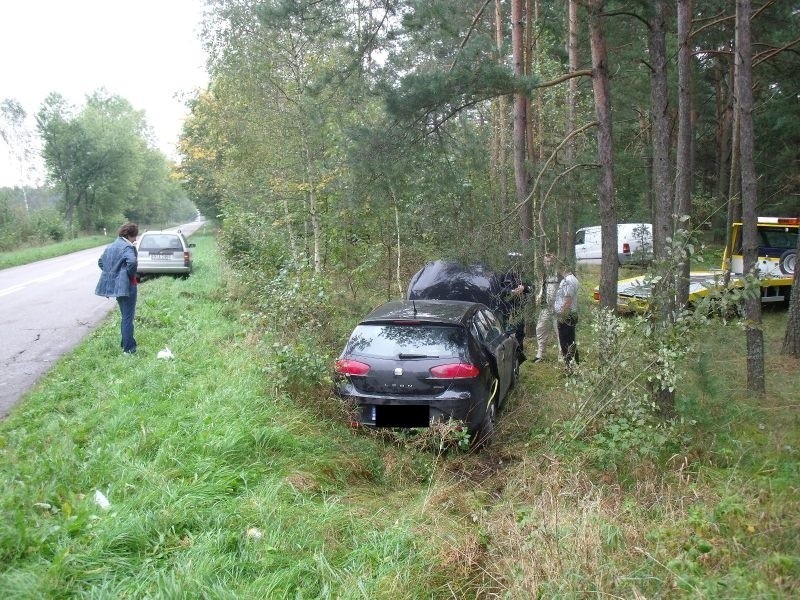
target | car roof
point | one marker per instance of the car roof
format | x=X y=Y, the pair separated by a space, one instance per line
x=451 y=312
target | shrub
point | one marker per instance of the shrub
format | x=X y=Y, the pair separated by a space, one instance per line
x=47 y=225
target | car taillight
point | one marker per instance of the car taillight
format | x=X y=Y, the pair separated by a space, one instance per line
x=186 y=259
x=626 y=248
x=345 y=366
x=455 y=371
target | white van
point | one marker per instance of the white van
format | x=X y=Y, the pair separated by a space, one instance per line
x=634 y=244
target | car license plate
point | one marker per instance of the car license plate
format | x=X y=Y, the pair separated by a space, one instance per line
x=161 y=256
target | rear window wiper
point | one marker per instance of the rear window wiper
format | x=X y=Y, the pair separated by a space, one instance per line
x=404 y=355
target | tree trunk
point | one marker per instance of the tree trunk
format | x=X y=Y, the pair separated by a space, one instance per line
x=316 y=230
x=399 y=247
x=567 y=238
x=605 y=186
x=69 y=206
x=290 y=230
x=683 y=158
x=664 y=289
x=791 y=340
x=535 y=112
x=499 y=168
x=661 y=180
x=735 y=181
x=724 y=118
x=744 y=83
x=520 y=124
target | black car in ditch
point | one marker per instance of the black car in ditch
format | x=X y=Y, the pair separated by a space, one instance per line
x=412 y=363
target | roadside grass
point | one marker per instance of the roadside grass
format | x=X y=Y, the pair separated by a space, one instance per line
x=14 y=258
x=226 y=478
x=218 y=486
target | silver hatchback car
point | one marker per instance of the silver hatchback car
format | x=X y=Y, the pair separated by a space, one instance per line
x=164 y=252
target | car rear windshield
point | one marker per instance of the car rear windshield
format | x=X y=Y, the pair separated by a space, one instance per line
x=410 y=340
x=161 y=243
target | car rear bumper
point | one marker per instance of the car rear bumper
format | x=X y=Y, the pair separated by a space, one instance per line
x=157 y=268
x=413 y=411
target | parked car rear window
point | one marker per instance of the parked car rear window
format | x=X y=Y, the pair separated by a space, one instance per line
x=161 y=243
x=393 y=340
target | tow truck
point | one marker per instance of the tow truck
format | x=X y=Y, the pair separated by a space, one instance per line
x=777 y=259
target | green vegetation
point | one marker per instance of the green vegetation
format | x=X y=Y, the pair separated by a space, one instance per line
x=28 y=255
x=230 y=471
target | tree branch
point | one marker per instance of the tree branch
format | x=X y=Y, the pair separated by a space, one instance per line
x=711 y=24
x=541 y=172
x=721 y=19
x=764 y=7
x=550 y=189
x=767 y=54
x=563 y=78
x=469 y=33
x=627 y=14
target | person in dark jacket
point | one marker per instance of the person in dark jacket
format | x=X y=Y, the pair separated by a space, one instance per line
x=118 y=280
x=513 y=289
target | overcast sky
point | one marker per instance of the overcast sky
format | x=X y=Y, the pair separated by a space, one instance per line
x=147 y=51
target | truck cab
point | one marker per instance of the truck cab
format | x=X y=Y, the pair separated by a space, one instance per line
x=777 y=247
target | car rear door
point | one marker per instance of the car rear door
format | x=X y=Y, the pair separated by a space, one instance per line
x=499 y=345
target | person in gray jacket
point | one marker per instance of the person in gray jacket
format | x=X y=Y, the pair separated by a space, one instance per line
x=118 y=280
x=547 y=323
x=566 y=311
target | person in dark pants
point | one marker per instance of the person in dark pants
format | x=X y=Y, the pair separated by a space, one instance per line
x=118 y=280
x=566 y=311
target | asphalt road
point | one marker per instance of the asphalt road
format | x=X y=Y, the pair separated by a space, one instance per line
x=46 y=309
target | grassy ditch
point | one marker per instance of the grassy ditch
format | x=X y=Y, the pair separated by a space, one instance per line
x=227 y=476
x=24 y=256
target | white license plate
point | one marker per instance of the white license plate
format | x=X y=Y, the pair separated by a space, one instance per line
x=161 y=256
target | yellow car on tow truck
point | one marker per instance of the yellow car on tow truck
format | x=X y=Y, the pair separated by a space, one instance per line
x=777 y=259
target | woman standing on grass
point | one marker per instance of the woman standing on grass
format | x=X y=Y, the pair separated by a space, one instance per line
x=118 y=280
